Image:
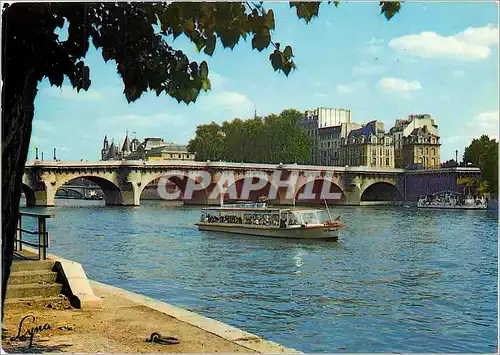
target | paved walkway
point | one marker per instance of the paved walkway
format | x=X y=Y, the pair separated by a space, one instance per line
x=123 y=325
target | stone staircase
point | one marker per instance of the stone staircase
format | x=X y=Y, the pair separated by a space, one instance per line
x=32 y=281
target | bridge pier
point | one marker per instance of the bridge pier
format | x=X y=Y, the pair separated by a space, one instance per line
x=130 y=195
x=42 y=199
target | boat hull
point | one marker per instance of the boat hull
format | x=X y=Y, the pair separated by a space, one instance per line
x=331 y=233
x=451 y=207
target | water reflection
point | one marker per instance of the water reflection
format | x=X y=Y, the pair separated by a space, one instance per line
x=398 y=280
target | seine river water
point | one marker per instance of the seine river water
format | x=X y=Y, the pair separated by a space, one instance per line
x=398 y=280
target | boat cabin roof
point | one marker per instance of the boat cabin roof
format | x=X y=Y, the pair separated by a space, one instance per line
x=257 y=209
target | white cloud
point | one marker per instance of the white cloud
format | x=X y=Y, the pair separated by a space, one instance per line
x=367 y=69
x=239 y=104
x=484 y=123
x=399 y=85
x=137 y=122
x=375 y=41
x=217 y=81
x=346 y=89
x=458 y=73
x=374 y=46
x=68 y=93
x=470 y=44
x=487 y=120
x=483 y=36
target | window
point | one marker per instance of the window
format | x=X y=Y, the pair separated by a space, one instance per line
x=179 y=156
x=421 y=150
x=433 y=162
x=433 y=151
x=374 y=161
x=426 y=150
x=387 y=161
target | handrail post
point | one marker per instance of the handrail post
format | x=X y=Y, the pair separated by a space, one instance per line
x=19 y=233
x=42 y=229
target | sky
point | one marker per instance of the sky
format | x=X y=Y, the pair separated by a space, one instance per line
x=436 y=58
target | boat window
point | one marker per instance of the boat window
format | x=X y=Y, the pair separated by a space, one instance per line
x=304 y=217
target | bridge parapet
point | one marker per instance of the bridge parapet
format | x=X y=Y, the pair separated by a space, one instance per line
x=123 y=181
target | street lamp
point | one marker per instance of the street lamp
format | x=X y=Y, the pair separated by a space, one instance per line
x=456 y=156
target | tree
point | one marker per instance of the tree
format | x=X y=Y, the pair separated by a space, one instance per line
x=272 y=139
x=467 y=183
x=144 y=56
x=209 y=143
x=483 y=153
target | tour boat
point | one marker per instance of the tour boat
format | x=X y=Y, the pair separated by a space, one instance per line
x=452 y=200
x=260 y=220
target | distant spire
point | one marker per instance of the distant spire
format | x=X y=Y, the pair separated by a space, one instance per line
x=255 y=114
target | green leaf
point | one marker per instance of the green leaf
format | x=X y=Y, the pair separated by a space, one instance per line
x=276 y=60
x=194 y=67
x=56 y=79
x=206 y=85
x=306 y=10
x=389 y=8
x=270 y=19
x=288 y=52
x=261 y=40
x=204 y=70
x=210 y=45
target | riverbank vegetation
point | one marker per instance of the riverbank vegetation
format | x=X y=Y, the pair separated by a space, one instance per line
x=270 y=139
x=483 y=153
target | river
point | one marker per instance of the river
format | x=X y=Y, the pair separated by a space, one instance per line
x=398 y=280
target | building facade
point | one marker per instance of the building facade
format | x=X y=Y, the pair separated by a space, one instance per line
x=151 y=149
x=416 y=142
x=330 y=140
x=336 y=141
x=369 y=146
x=319 y=119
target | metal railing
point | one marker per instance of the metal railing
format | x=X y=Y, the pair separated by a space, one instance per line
x=43 y=234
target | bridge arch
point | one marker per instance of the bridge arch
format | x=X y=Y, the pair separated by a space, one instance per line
x=381 y=191
x=267 y=190
x=157 y=185
x=113 y=195
x=69 y=190
x=309 y=192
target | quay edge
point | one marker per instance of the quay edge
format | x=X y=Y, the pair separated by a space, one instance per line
x=84 y=289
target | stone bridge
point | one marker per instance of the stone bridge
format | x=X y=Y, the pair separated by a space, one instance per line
x=123 y=182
